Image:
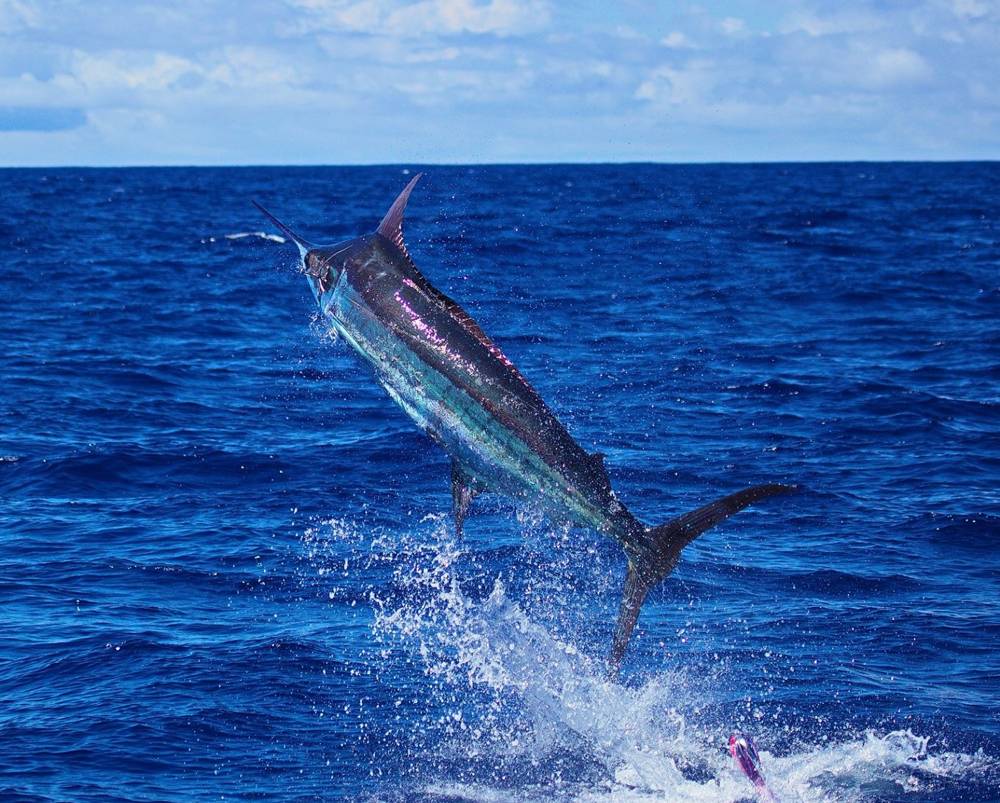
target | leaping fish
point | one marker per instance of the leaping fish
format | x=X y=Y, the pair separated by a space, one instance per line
x=462 y=390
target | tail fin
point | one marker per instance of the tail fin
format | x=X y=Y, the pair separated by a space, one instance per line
x=647 y=568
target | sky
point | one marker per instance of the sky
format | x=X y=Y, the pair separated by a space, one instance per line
x=200 y=82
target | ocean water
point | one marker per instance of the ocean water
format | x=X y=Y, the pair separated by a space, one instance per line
x=226 y=563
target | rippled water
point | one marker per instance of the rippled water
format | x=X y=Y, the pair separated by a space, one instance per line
x=226 y=562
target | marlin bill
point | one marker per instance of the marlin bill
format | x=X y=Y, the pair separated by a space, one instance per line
x=460 y=388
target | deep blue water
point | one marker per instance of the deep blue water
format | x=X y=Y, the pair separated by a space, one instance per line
x=226 y=564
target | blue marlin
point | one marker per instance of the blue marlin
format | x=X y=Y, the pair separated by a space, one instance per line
x=459 y=387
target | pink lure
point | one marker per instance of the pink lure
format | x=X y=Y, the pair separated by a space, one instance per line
x=745 y=754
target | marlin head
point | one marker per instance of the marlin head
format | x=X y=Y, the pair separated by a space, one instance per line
x=323 y=264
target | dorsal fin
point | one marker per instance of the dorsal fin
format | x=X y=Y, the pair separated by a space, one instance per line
x=391 y=226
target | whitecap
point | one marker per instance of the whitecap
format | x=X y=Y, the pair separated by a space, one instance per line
x=263 y=235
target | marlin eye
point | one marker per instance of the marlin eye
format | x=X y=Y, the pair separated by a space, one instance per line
x=317 y=268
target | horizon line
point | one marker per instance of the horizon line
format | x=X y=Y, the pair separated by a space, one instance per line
x=405 y=165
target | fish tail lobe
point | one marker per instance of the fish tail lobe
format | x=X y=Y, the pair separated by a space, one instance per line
x=653 y=555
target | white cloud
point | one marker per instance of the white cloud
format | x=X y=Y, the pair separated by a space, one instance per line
x=841 y=21
x=427 y=17
x=971 y=9
x=732 y=25
x=627 y=32
x=690 y=84
x=501 y=17
x=252 y=68
x=18 y=14
x=439 y=87
x=898 y=66
x=129 y=70
x=676 y=39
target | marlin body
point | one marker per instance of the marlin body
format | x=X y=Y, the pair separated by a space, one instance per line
x=458 y=387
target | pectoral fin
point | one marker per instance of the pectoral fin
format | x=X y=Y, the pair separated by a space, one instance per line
x=463 y=491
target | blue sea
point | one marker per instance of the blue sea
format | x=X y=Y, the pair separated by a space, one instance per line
x=227 y=566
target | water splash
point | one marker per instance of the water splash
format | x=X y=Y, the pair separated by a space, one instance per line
x=523 y=712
